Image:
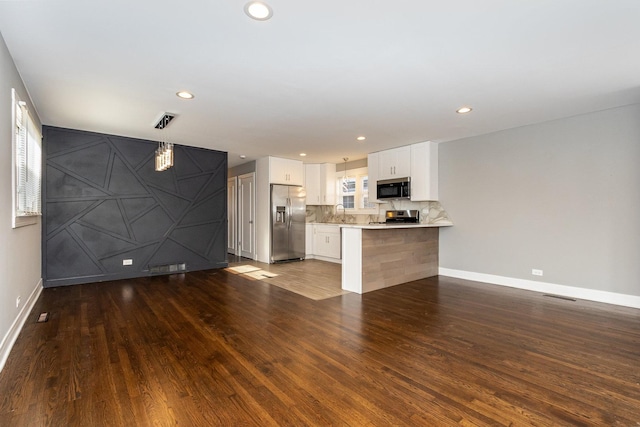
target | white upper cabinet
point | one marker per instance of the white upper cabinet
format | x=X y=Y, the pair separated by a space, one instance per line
x=424 y=171
x=320 y=183
x=286 y=171
x=417 y=161
x=394 y=163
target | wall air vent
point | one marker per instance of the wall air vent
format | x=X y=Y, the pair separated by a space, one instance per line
x=165 y=120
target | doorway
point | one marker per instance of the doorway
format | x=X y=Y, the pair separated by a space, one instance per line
x=232 y=215
x=246 y=215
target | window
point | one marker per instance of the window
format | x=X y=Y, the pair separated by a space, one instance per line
x=348 y=192
x=353 y=192
x=27 y=165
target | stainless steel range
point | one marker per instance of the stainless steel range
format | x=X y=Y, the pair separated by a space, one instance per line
x=402 y=216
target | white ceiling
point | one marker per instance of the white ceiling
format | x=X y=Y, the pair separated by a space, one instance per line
x=318 y=74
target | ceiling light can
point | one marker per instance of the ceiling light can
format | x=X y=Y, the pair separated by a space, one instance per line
x=258 y=10
x=464 y=110
x=185 y=95
x=361 y=138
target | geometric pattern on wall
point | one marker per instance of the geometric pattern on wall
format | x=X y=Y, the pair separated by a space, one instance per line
x=104 y=202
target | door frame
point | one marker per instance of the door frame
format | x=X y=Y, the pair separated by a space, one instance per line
x=232 y=216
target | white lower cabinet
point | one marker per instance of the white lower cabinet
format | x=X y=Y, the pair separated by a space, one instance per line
x=325 y=242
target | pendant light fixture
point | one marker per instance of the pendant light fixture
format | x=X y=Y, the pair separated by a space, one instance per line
x=344 y=174
x=164 y=156
x=164 y=152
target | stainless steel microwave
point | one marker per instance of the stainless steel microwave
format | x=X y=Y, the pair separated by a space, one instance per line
x=399 y=188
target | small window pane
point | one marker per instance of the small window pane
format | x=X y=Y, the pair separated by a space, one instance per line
x=349 y=185
x=365 y=194
x=348 y=202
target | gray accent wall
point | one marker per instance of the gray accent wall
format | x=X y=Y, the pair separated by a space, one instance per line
x=104 y=202
x=561 y=196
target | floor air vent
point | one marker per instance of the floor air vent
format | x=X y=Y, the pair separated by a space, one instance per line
x=168 y=268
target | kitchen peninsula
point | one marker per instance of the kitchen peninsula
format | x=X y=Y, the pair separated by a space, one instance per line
x=377 y=256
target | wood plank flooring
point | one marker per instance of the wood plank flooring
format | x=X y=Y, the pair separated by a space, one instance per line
x=207 y=349
x=310 y=278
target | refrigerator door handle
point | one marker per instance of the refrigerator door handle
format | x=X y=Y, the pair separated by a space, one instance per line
x=289 y=214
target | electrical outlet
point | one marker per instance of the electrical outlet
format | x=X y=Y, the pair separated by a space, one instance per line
x=18 y=302
x=536 y=272
x=127 y=262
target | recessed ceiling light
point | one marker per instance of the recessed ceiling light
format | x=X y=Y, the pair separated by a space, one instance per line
x=303 y=154
x=258 y=10
x=361 y=138
x=242 y=156
x=185 y=95
x=464 y=110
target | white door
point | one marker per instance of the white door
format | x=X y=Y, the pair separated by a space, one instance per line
x=232 y=217
x=246 y=215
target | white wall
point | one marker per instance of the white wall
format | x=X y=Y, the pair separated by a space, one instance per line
x=561 y=196
x=20 y=259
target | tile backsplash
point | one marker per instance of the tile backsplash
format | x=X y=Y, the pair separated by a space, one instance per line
x=430 y=213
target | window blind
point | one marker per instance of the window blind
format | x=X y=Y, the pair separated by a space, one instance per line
x=27 y=163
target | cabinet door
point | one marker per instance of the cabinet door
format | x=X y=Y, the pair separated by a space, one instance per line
x=424 y=171
x=278 y=173
x=386 y=162
x=327 y=241
x=327 y=245
x=328 y=184
x=402 y=167
x=295 y=170
x=394 y=163
x=285 y=171
x=334 y=245
x=312 y=184
x=309 y=239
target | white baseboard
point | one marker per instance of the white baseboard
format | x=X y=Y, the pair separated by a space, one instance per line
x=12 y=334
x=324 y=258
x=547 y=288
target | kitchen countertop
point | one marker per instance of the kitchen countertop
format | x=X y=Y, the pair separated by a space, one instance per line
x=386 y=226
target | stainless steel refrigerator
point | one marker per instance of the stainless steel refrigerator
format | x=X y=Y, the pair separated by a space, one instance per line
x=288 y=216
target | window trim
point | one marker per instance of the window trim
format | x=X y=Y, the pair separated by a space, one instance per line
x=23 y=219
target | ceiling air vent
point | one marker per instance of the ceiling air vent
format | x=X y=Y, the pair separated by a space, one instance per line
x=165 y=120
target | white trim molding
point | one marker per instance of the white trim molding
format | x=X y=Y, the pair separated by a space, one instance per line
x=546 y=288
x=12 y=334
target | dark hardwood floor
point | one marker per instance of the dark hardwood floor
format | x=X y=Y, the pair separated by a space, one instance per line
x=213 y=348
